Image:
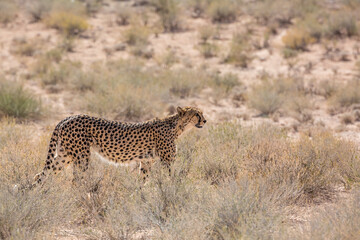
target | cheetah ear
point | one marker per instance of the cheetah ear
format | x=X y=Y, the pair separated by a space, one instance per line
x=180 y=110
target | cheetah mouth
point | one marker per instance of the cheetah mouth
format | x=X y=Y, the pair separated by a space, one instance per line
x=198 y=126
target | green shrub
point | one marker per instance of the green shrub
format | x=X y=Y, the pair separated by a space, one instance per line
x=17 y=102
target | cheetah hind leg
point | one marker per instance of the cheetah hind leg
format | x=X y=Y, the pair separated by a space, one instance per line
x=80 y=166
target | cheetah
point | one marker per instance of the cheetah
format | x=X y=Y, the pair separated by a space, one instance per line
x=117 y=142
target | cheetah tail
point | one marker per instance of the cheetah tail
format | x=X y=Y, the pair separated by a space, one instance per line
x=39 y=178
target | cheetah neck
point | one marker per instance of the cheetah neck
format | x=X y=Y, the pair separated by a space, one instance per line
x=179 y=125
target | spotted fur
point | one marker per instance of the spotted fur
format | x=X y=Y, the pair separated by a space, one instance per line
x=118 y=142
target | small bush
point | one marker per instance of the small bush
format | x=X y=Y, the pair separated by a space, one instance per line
x=342 y=24
x=68 y=23
x=123 y=15
x=198 y=7
x=39 y=9
x=265 y=98
x=297 y=39
x=27 y=48
x=239 y=51
x=136 y=35
x=206 y=33
x=208 y=50
x=169 y=12
x=289 y=53
x=347 y=95
x=8 y=11
x=17 y=102
x=222 y=11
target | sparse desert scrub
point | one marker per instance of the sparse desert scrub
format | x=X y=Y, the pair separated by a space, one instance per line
x=15 y=101
x=280 y=11
x=117 y=90
x=227 y=181
x=8 y=11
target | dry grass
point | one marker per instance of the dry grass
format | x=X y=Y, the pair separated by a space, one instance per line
x=227 y=182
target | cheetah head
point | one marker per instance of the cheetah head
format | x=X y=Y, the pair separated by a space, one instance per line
x=191 y=116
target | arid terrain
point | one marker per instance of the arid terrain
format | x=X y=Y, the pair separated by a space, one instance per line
x=278 y=82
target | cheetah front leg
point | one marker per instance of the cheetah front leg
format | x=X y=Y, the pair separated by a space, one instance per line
x=144 y=168
x=167 y=154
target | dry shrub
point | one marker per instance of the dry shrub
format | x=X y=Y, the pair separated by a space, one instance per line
x=348 y=118
x=297 y=39
x=222 y=11
x=346 y=95
x=24 y=47
x=39 y=9
x=123 y=15
x=198 y=7
x=206 y=33
x=208 y=50
x=8 y=11
x=281 y=12
x=15 y=101
x=137 y=35
x=341 y=24
x=170 y=14
x=265 y=98
x=68 y=23
x=239 y=51
x=271 y=94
